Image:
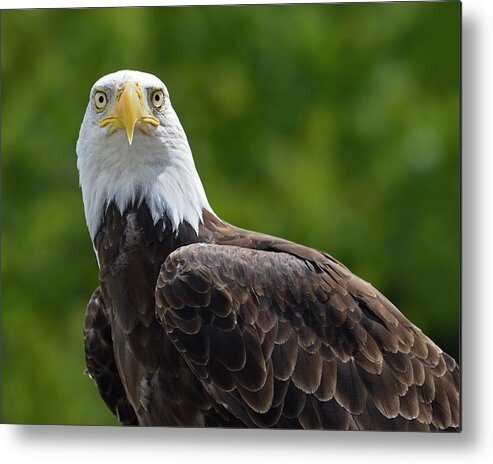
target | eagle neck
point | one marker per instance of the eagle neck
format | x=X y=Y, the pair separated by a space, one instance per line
x=130 y=241
x=161 y=176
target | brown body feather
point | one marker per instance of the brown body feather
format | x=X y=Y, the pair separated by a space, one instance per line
x=229 y=327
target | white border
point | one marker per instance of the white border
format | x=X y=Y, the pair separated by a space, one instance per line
x=38 y=444
x=18 y=4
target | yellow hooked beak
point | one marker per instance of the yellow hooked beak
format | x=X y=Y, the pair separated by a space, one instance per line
x=129 y=112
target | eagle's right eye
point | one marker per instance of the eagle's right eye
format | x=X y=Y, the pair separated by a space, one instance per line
x=100 y=100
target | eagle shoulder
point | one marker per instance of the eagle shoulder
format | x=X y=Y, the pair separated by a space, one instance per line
x=285 y=336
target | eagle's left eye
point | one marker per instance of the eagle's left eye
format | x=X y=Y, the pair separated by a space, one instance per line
x=157 y=98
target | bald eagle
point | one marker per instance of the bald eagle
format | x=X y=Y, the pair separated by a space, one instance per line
x=199 y=323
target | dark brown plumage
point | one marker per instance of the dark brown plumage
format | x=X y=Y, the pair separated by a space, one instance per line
x=229 y=327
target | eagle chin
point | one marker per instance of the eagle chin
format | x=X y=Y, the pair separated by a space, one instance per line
x=200 y=323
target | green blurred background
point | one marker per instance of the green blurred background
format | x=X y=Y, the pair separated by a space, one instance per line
x=336 y=126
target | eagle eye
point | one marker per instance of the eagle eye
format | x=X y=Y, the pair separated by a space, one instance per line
x=100 y=100
x=157 y=98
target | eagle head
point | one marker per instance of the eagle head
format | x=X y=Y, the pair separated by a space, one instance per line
x=133 y=101
x=132 y=148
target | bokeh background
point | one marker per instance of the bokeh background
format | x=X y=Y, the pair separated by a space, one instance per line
x=336 y=126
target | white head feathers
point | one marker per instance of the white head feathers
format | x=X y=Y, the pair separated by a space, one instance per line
x=157 y=167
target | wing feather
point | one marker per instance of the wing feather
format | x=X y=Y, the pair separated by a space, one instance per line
x=100 y=360
x=287 y=340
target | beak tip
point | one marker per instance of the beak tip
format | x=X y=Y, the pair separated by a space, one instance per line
x=130 y=136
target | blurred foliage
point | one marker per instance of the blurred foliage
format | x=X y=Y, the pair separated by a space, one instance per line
x=336 y=126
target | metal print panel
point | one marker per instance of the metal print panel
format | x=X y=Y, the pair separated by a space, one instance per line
x=195 y=201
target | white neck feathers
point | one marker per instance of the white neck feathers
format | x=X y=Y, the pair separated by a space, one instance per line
x=158 y=170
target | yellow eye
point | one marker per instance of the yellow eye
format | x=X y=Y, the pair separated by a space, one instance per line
x=157 y=98
x=100 y=100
